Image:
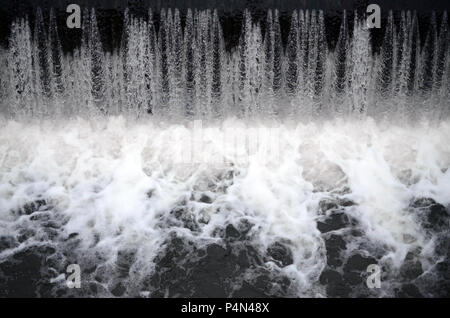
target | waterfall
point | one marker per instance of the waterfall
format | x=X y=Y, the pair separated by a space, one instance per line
x=277 y=55
x=56 y=56
x=388 y=59
x=97 y=65
x=321 y=57
x=182 y=69
x=20 y=66
x=267 y=87
x=83 y=67
x=203 y=75
x=164 y=62
x=217 y=62
x=152 y=72
x=176 y=64
x=429 y=55
x=292 y=57
x=41 y=62
x=341 y=61
x=190 y=69
x=442 y=53
x=313 y=40
x=414 y=51
x=244 y=63
x=361 y=67
x=300 y=153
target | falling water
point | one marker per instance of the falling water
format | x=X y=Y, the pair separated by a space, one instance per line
x=182 y=73
x=327 y=158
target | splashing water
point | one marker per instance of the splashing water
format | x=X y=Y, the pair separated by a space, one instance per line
x=90 y=171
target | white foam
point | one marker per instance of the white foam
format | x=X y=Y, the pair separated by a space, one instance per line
x=115 y=178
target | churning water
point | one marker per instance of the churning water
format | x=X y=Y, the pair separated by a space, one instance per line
x=354 y=171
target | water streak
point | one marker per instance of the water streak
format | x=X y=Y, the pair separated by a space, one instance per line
x=184 y=71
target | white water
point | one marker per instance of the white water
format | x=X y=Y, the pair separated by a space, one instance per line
x=176 y=73
x=115 y=178
x=105 y=138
